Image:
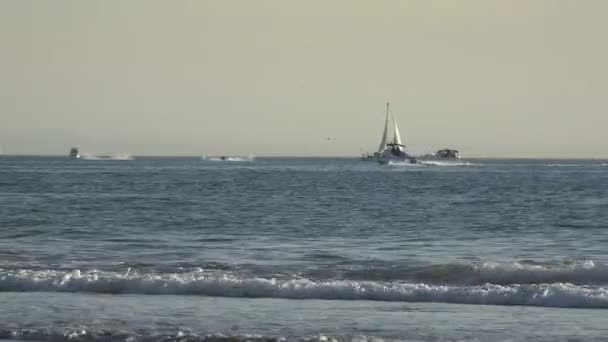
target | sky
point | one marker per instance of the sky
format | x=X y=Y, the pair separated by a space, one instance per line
x=512 y=78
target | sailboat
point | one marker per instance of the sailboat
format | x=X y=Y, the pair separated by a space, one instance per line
x=392 y=150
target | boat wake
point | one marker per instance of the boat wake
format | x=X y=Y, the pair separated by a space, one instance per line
x=445 y=163
x=404 y=164
x=556 y=294
x=116 y=157
x=424 y=163
x=229 y=159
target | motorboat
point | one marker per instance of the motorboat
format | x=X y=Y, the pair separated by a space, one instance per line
x=445 y=154
x=74 y=153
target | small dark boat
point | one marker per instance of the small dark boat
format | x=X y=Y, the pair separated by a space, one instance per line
x=74 y=153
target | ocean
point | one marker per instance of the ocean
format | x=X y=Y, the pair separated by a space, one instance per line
x=186 y=249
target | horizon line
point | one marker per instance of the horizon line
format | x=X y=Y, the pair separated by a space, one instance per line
x=291 y=156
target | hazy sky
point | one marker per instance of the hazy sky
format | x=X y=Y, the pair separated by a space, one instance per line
x=491 y=78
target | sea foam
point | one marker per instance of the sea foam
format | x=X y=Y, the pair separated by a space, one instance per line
x=227 y=285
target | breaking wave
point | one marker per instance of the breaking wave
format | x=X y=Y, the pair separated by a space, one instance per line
x=228 y=285
x=582 y=273
x=585 y=272
x=84 y=335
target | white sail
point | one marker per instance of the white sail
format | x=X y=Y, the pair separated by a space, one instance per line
x=383 y=141
x=397 y=136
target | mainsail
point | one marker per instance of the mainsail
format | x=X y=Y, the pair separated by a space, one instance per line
x=383 y=141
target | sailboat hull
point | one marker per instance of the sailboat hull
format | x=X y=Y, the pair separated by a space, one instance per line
x=388 y=156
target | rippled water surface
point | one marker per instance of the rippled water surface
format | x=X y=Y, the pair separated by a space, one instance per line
x=304 y=249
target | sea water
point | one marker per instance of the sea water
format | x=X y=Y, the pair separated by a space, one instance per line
x=168 y=249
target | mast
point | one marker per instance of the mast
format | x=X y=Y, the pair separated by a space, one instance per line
x=383 y=141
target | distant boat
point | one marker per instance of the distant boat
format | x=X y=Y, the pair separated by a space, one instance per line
x=445 y=154
x=392 y=150
x=370 y=157
x=74 y=153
